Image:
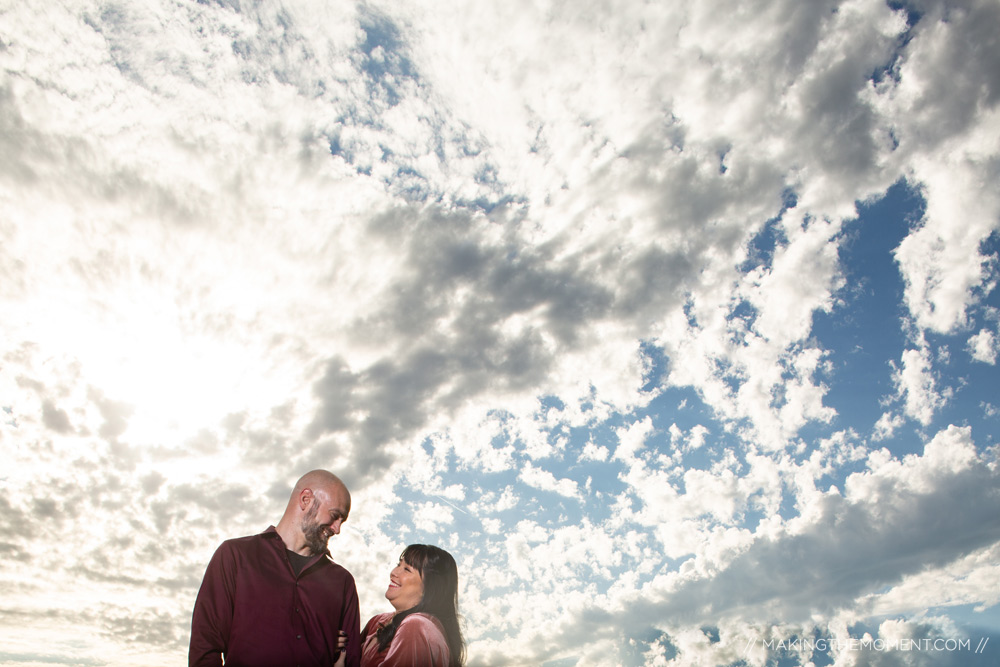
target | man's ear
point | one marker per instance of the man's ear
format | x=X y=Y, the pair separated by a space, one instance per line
x=305 y=499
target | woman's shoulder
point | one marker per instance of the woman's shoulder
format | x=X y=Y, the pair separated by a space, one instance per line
x=376 y=621
x=424 y=635
x=419 y=621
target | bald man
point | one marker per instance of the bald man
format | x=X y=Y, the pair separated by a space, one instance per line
x=277 y=599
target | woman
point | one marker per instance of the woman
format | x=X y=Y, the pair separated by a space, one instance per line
x=423 y=631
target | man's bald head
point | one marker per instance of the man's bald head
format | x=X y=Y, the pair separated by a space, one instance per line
x=319 y=504
x=319 y=479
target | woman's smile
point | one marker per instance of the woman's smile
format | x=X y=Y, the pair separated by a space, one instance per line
x=406 y=587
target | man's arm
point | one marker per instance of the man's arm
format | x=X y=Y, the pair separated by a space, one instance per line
x=213 y=612
x=351 y=623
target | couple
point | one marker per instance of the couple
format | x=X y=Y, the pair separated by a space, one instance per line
x=277 y=599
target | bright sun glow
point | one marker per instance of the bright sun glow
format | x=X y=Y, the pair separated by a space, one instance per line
x=176 y=382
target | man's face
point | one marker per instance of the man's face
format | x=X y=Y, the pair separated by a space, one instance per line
x=326 y=513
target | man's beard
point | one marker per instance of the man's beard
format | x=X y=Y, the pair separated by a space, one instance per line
x=316 y=534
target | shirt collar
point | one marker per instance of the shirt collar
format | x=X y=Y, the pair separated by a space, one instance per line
x=272 y=533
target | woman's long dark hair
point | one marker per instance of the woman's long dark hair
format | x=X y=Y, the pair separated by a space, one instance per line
x=440 y=577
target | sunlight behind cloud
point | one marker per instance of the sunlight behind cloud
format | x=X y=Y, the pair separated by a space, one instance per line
x=173 y=382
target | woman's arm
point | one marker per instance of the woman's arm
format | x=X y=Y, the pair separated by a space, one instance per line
x=341 y=653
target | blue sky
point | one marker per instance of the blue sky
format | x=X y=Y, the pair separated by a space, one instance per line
x=676 y=323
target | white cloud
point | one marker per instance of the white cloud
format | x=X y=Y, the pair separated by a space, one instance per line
x=631 y=439
x=594 y=452
x=493 y=526
x=892 y=522
x=431 y=518
x=800 y=280
x=693 y=441
x=965 y=581
x=983 y=347
x=887 y=425
x=947 y=124
x=543 y=479
x=698 y=435
x=915 y=384
x=507 y=499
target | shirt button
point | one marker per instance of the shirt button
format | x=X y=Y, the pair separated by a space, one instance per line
x=298 y=636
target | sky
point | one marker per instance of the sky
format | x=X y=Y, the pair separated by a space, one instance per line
x=676 y=323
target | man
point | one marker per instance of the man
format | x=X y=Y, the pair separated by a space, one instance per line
x=277 y=599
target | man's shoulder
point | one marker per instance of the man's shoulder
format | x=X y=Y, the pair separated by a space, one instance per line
x=335 y=569
x=247 y=541
x=245 y=538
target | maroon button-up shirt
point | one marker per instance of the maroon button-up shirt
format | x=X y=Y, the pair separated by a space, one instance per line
x=253 y=610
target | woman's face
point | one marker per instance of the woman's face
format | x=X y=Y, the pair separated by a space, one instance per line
x=406 y=587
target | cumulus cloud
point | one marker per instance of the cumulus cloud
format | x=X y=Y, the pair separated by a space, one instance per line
x=546 y=481
x=885 y=526
x=594 y=452
x=983 y=347
x=915 y=383
x=886 y=426
x=941 y=261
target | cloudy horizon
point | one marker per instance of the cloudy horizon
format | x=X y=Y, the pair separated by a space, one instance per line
x=676 y=323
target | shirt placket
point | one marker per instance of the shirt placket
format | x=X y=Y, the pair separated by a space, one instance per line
x=303 y=653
